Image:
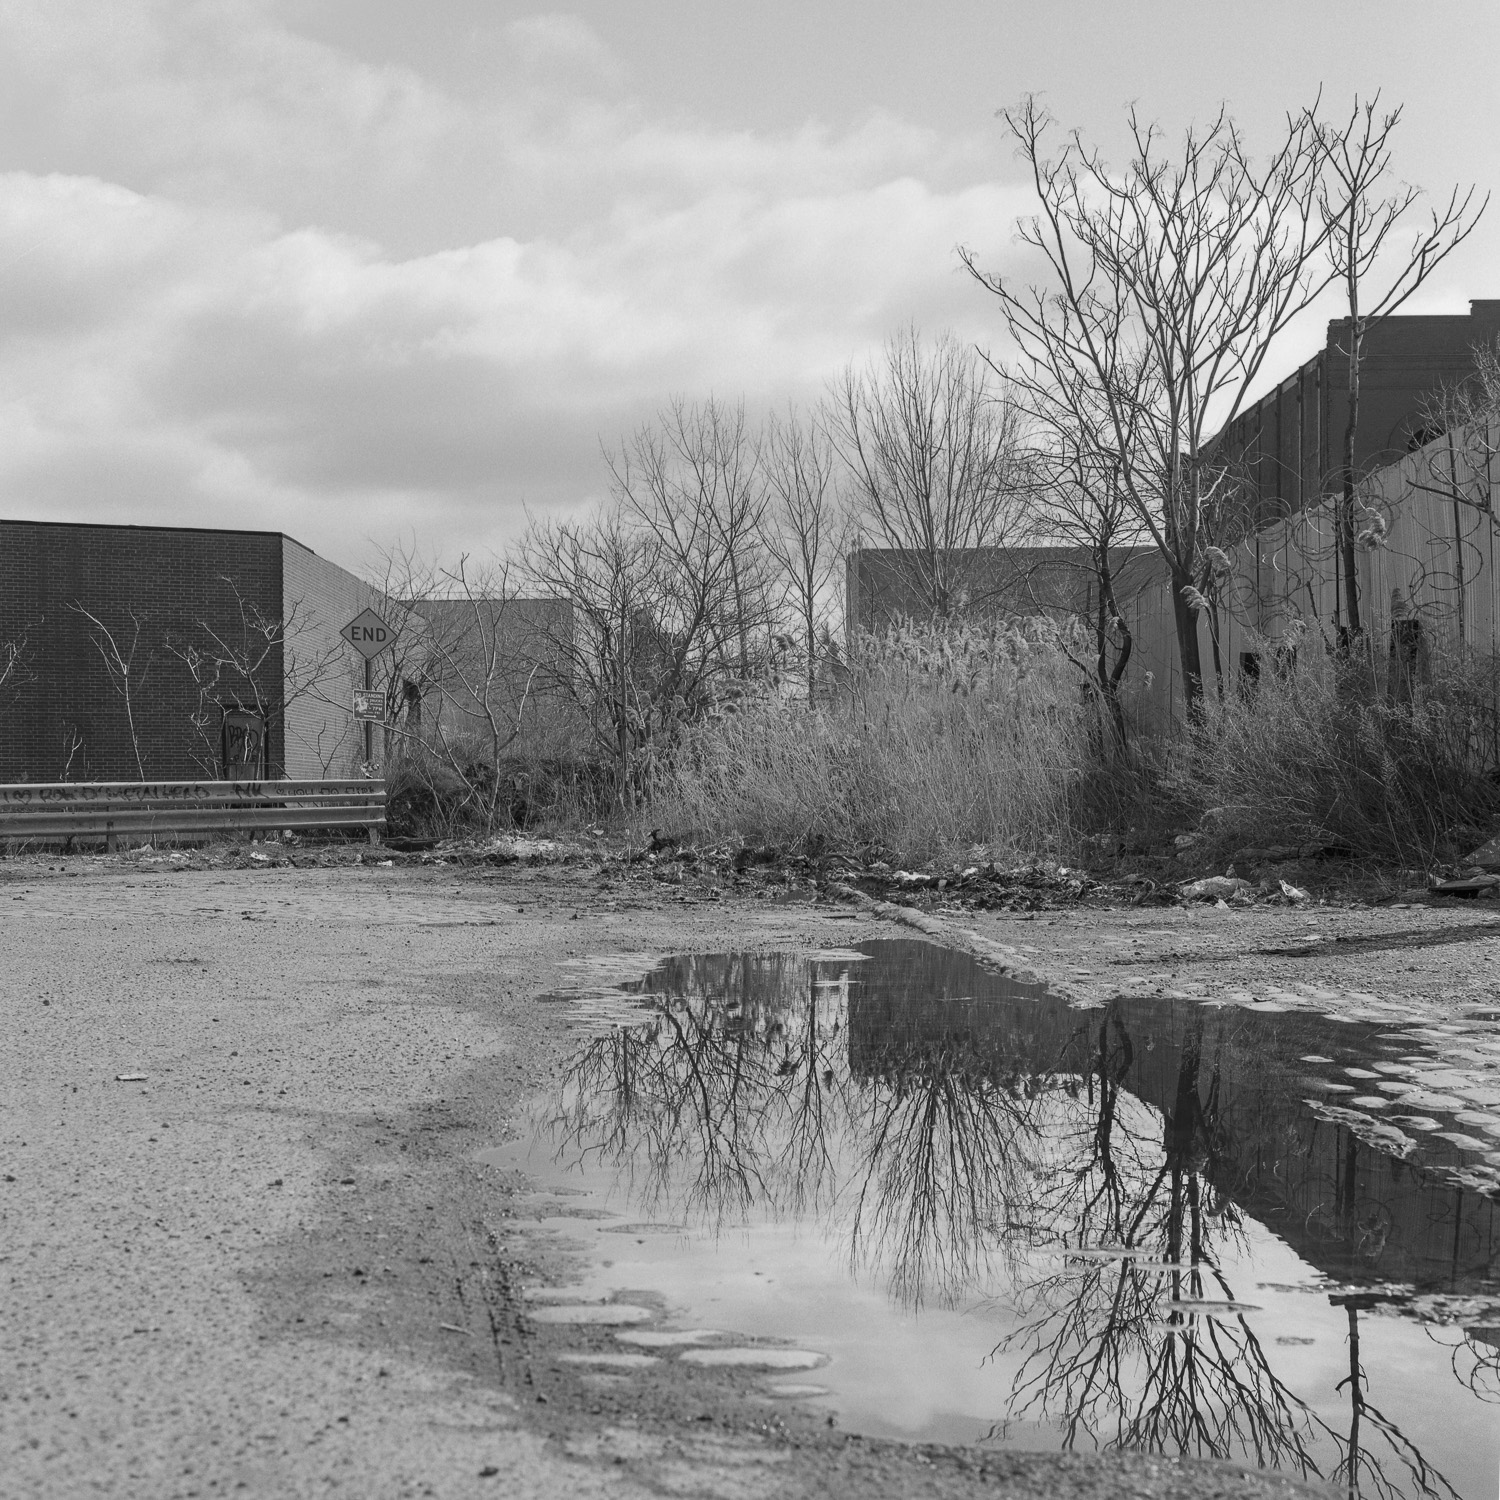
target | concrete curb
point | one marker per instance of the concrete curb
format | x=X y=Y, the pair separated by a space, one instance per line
x=1009 y=961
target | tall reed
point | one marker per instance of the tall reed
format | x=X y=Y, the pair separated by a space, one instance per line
x=938 y=739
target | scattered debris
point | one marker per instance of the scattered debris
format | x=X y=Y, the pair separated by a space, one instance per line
x=1468 y=886
x=1486 y=857
x=1275 y=854
x=1294 y=893
x=1214 y=888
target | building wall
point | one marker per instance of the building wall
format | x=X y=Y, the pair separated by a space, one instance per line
x=510 y=656
x=1289 y=445
x=319 y=598
x=1056 y=581
x=68 y=721
x=883 y=585
x=1433 y=558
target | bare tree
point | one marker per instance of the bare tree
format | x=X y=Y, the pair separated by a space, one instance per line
x=932 y=444
x=670 y=587
x=1461 y=467
x=1076 y=501
x=1362 y=210
x=692 y=480
x=805 y=527
x=606 y=572
x=1085 y=507
x=1171 y=278
x=126 y=666
x=251 y=659
x=470 y=675
x=73 y=745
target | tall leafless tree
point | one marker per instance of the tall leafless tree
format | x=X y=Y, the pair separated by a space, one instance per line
x=605 y=570
x=932 y=443
x=1081 y=504
x=1170 y=280
x=671 y=589
x=1362 y=211
x=692 y=481
x=1076 y=502
x=805 y=527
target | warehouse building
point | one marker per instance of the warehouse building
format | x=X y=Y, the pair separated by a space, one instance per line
x=134 y=653
x=1288 y=448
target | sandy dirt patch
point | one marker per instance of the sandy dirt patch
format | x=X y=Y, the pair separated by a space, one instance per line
x=246 y=1247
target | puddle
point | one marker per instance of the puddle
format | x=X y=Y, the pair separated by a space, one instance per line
x=604 y=1314
x=987 y=1217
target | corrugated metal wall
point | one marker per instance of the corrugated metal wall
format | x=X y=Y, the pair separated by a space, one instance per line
x=1434 y=559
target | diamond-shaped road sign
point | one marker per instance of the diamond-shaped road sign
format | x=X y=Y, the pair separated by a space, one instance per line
x=369 y=634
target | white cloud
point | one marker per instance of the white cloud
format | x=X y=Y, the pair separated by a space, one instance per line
x=180 y=341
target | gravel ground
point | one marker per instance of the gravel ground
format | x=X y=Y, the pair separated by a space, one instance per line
x=267 y=1266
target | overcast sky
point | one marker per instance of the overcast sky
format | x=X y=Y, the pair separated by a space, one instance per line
x=360 y=270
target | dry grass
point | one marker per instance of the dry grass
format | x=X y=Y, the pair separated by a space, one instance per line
x=940 y=741
x=1307 y=757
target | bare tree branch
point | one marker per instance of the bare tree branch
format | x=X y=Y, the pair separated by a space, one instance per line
x=931 y=440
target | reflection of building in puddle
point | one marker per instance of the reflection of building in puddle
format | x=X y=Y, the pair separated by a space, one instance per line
x=1228 y=1088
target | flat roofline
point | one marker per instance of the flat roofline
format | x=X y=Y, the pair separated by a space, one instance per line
x=133 y=526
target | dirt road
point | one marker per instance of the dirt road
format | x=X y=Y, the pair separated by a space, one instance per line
x=246 y=1248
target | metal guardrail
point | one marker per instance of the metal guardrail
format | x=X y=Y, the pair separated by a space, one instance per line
x=158 y=809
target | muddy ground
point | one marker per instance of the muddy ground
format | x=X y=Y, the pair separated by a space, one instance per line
x=271 y=1265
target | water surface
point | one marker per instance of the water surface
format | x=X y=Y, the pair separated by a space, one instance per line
x=1253 y=1231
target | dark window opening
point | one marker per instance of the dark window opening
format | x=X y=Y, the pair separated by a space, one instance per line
x=243 y=745
x=1405 y=658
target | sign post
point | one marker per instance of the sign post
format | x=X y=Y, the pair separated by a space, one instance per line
x=369 y=635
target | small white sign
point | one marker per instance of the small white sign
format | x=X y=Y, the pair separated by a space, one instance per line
x=369 y=705
x=369 y=634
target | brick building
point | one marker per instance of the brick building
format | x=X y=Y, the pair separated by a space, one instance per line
x=1289 y=446
x=175 y=654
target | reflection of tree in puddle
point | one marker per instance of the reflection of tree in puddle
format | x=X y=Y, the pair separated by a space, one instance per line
x=715 y=1110
x=1116 y=1345
x=1020 y=1167
x=946 y=1156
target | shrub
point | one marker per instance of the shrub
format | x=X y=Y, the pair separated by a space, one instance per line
x=455 y=789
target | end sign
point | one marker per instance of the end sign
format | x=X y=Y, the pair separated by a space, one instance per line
x=369 y=634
